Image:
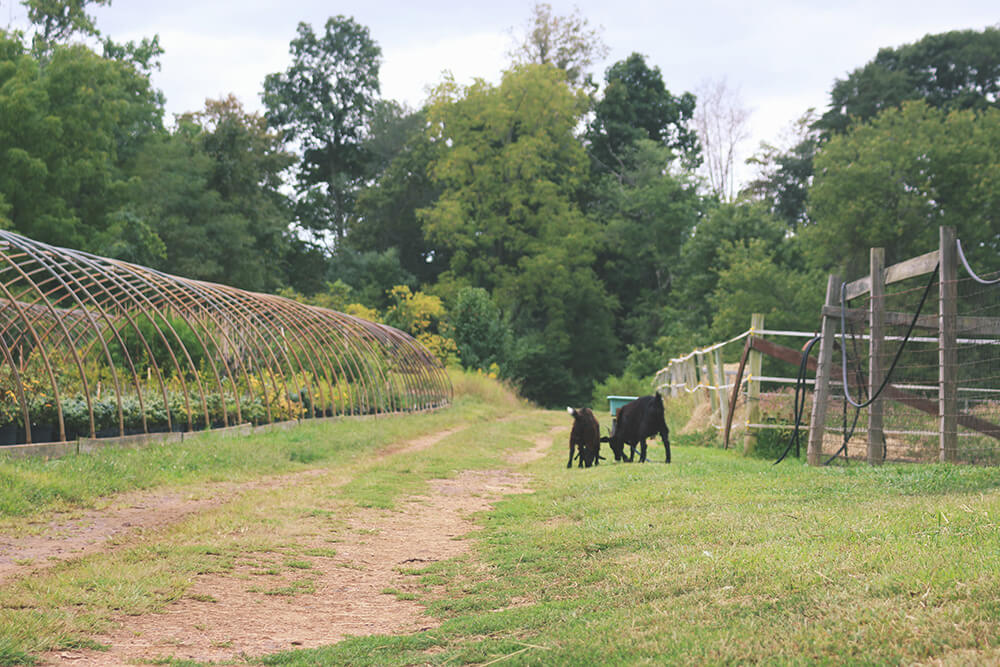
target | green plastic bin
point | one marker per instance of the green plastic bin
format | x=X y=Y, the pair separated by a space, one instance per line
x=617 y=401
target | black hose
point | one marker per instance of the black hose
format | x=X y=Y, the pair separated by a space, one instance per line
x=799 y=401
x=899 y=352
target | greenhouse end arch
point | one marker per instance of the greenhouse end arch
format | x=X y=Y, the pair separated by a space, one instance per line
x=97 y=347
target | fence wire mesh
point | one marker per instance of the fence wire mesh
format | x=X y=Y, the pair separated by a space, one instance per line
x=911 y=420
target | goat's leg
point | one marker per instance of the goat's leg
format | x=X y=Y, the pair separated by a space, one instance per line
x=569 y=464
x=642 y=451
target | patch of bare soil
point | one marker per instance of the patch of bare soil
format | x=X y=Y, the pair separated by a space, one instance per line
x=87 y=531
x=543 y=444
x=84 y=532
x=349 y=591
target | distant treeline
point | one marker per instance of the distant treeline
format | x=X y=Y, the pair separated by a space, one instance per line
x=550 y=229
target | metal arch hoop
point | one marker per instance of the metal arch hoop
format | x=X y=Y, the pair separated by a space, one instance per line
x=84 y=317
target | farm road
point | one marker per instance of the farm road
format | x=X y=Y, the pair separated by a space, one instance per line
x=225 y=617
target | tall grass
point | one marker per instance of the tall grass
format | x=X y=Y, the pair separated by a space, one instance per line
x=478 y=386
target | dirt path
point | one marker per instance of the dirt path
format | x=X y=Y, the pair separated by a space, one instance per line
x=225 y=617
x=87 y=531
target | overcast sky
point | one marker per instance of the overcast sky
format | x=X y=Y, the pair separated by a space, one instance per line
x=781 y=56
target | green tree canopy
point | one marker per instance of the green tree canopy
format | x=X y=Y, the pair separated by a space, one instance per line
x=55 y=21
x=211 y=191
x=751 y=279
x=646 y=217
x=637 y=105
x=479 y=331
x=509 y=178
x=891 y=183
x=952 y=70
x=69 y=131
x=324 y=102
x=385 y=216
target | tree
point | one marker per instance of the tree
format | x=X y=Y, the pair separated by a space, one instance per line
x=211 y=192
x=562 y=41
x=702 y=257
x=636 y=105
x=509 y=175
x=370 y=274
x=953 y=70
x=892 y=182
x=324 y=102
x=385 y=215
x=647 y=215
x=479 y=331
x=785 y=174
x=68 y=148
x=751 y=279
x=56 y=21
x=722 y=124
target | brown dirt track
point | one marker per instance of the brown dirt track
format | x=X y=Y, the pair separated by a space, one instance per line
x=221 y=618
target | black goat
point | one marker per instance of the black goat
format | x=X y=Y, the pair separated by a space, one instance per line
x=585 y=437
x=636 y=421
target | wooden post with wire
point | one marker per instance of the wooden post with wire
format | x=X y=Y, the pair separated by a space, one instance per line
x=720 y=382
x=710 y=383
x=754 y=359
x=948 y=346
x=876 y=437
x=824 y=370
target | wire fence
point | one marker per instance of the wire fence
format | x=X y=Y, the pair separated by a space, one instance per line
x=912 y=417
x=763 y=406
x=907 y=369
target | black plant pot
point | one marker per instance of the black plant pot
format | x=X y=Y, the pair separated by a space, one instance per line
x=43 y=432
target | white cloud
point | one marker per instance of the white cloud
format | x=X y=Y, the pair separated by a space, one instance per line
x=408 y=71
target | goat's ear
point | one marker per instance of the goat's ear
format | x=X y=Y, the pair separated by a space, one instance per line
x=571 y=410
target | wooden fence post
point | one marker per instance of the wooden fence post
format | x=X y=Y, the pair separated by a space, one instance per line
x=824 y=370
x=720 y=382
x=948 y=346
x=710 y=375
x=876 y=438
x=753 y=386
x=697 y=366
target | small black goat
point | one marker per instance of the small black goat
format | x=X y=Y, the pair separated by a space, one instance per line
x=585 y=437
x=636 y=421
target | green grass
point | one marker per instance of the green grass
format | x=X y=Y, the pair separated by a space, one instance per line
x=33 y=487
x=717 y=559
x=713 y=559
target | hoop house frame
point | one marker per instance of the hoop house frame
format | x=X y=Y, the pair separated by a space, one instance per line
x=97 y=347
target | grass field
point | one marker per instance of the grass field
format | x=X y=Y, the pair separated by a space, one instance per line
x=714 y=559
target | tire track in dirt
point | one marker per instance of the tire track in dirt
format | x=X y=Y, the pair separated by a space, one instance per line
x=543 y=443
x=87 y=531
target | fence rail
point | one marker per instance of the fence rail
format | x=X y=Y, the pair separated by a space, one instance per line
x=943 y=385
